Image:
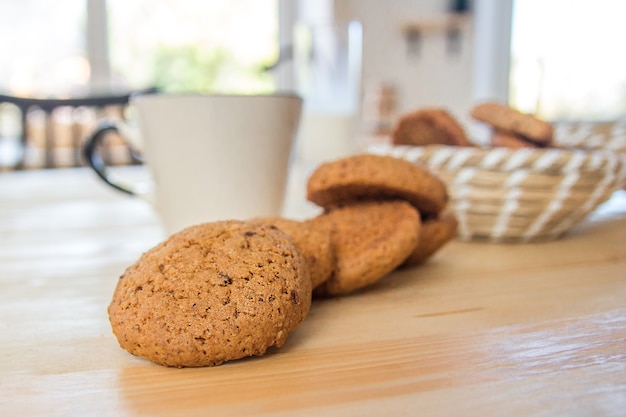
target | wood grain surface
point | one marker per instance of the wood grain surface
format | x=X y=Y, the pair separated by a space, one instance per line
x=481 y=329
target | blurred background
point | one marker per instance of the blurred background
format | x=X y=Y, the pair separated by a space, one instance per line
x=558 y=59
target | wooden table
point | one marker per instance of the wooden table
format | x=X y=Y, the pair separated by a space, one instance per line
x=482 y=329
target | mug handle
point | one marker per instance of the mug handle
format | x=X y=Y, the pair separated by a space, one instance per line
x=95 y=160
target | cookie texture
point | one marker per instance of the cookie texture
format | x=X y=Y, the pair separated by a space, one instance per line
x=503 y=117
x=211 y=293
x=434 y=234
x=429 y=126
x=371 y=239
x=507 y=139
x=376 y=177
x=314 y=241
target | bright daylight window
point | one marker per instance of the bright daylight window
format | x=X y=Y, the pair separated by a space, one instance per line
x=567 y=59
x=43 y=47
x=177 y=45
x=194 y=45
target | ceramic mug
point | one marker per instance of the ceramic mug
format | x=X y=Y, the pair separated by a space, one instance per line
x=211 y=157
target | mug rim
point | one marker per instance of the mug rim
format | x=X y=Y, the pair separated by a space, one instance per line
x=164 y=95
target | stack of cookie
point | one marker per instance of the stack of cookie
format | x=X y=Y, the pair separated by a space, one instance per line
x=382 y=212
x=225 y=290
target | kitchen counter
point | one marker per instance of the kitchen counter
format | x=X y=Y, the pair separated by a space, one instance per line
x=480 y=329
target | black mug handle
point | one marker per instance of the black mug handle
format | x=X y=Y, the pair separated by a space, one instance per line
x=95 y=160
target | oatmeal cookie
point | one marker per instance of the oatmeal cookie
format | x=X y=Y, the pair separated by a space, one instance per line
x=376 y=177
x=510 y=140
x=211 y=293
x=314 y=242
x=434 y=234
x=429 y=126
x=501 y=116
x=371 y=239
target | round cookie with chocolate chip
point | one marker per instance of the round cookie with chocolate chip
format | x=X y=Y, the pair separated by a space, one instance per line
x=211 y=293
x=313 y=240
x=376 y=177
x=371 y=239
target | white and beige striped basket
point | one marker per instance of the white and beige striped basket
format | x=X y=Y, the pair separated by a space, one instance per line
x=518 y=195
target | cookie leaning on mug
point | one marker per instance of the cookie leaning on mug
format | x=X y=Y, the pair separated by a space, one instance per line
x=211 y=293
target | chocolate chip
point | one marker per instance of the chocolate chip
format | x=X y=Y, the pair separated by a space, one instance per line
x=226 y=279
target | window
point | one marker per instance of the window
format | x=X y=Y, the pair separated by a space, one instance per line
x=567 y=60
x=194 y=45
x=190 y=45
x=43 y=47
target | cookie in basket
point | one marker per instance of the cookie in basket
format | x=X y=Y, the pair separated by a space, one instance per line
x=434 y=234
x=429 y=126
x=508 y=139
x=375 y=177
x=211 y=293
x=504 y=118
x=314 y=241
x=371 y=239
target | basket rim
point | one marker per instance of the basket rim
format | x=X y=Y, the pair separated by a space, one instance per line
x=586 y=134
x=562 y=170
x=502 y=159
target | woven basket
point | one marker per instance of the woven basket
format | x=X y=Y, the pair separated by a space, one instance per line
x=602 y=136
x=518 y=195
